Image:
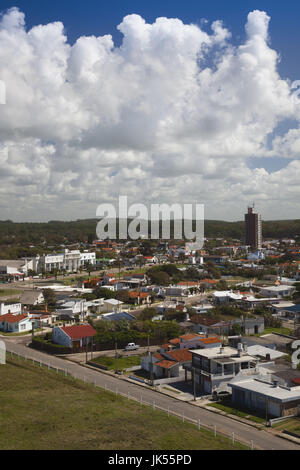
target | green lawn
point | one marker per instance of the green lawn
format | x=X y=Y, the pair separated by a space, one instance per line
x=41 y=410
x=226 y=406
x=122 y=362
x=281 y=331
x=292 y=425
x=8 y=292
x=25 y=333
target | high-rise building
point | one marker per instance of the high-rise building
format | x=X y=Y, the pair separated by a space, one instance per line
x=253 y=229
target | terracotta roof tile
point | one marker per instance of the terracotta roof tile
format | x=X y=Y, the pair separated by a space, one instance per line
x=79 y=331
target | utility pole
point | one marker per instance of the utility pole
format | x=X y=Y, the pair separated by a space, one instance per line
x=116 y=353
x=151 y=370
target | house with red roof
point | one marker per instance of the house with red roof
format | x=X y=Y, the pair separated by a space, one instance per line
x=192 y=341
x=15 y=323
x=140 y=298
x=73 y=336
x=166 y=364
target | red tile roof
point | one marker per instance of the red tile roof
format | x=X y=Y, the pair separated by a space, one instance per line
x=210 y=340
x=79 y=331
x=187 y=283
x=180 y=355
x=174 y=341
x=158 y=356
x=10 y=318
x=189 y=337
x=142 y=295
x=166 y=364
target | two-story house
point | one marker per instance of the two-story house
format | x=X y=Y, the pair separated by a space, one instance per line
x=213 y=368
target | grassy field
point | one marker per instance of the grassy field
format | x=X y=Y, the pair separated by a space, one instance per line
x=25 y=333
x=121 y=362
x=42 y=410
x=9 y=292
x=291 y=425
x=281 y=331
x=225 y=405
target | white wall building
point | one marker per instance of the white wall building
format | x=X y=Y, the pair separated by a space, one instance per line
x=69 y=260
x=15 y=309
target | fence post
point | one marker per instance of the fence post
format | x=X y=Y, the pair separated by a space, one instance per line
x=154 y=406
x=215 y=430
x=128 y=395
x=233 y=438
x=252 y=445
x=183 y=417
x=168 y=411
x=141 y=400
x=199 y=424
x=116 y=391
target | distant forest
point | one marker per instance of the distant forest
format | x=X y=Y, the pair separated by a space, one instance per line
x=57 y=232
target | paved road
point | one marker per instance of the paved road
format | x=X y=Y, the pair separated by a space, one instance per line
x=261 y=439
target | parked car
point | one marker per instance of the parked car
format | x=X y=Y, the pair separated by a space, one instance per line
x=131 y=347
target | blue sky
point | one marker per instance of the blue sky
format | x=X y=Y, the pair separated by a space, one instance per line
x=88 y=119
x=94 y=17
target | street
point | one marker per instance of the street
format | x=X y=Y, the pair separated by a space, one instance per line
x=261 y=439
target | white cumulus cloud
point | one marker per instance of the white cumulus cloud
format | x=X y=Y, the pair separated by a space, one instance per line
x=171 y=115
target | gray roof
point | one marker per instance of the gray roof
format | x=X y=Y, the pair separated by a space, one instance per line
x=265 y=389
x=30 y=297
x=118 y=316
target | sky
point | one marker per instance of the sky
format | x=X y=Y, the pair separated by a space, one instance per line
x=162 y=102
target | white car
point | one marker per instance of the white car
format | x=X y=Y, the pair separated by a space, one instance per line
x=131 y=347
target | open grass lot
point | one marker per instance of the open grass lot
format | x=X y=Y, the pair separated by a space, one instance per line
x=291 y=425
x=9 y=292
x=122 y=362
x=225 y=405
x=281 y=331
x=42 y=410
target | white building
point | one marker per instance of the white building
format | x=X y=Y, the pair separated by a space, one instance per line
x=69 y=260
x=15 y=309
x=277 y=291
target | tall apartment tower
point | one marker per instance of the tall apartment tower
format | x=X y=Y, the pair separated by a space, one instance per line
x=253 y=229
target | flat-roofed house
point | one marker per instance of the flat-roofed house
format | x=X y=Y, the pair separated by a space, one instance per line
x=213 y=368
x=269 y=398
